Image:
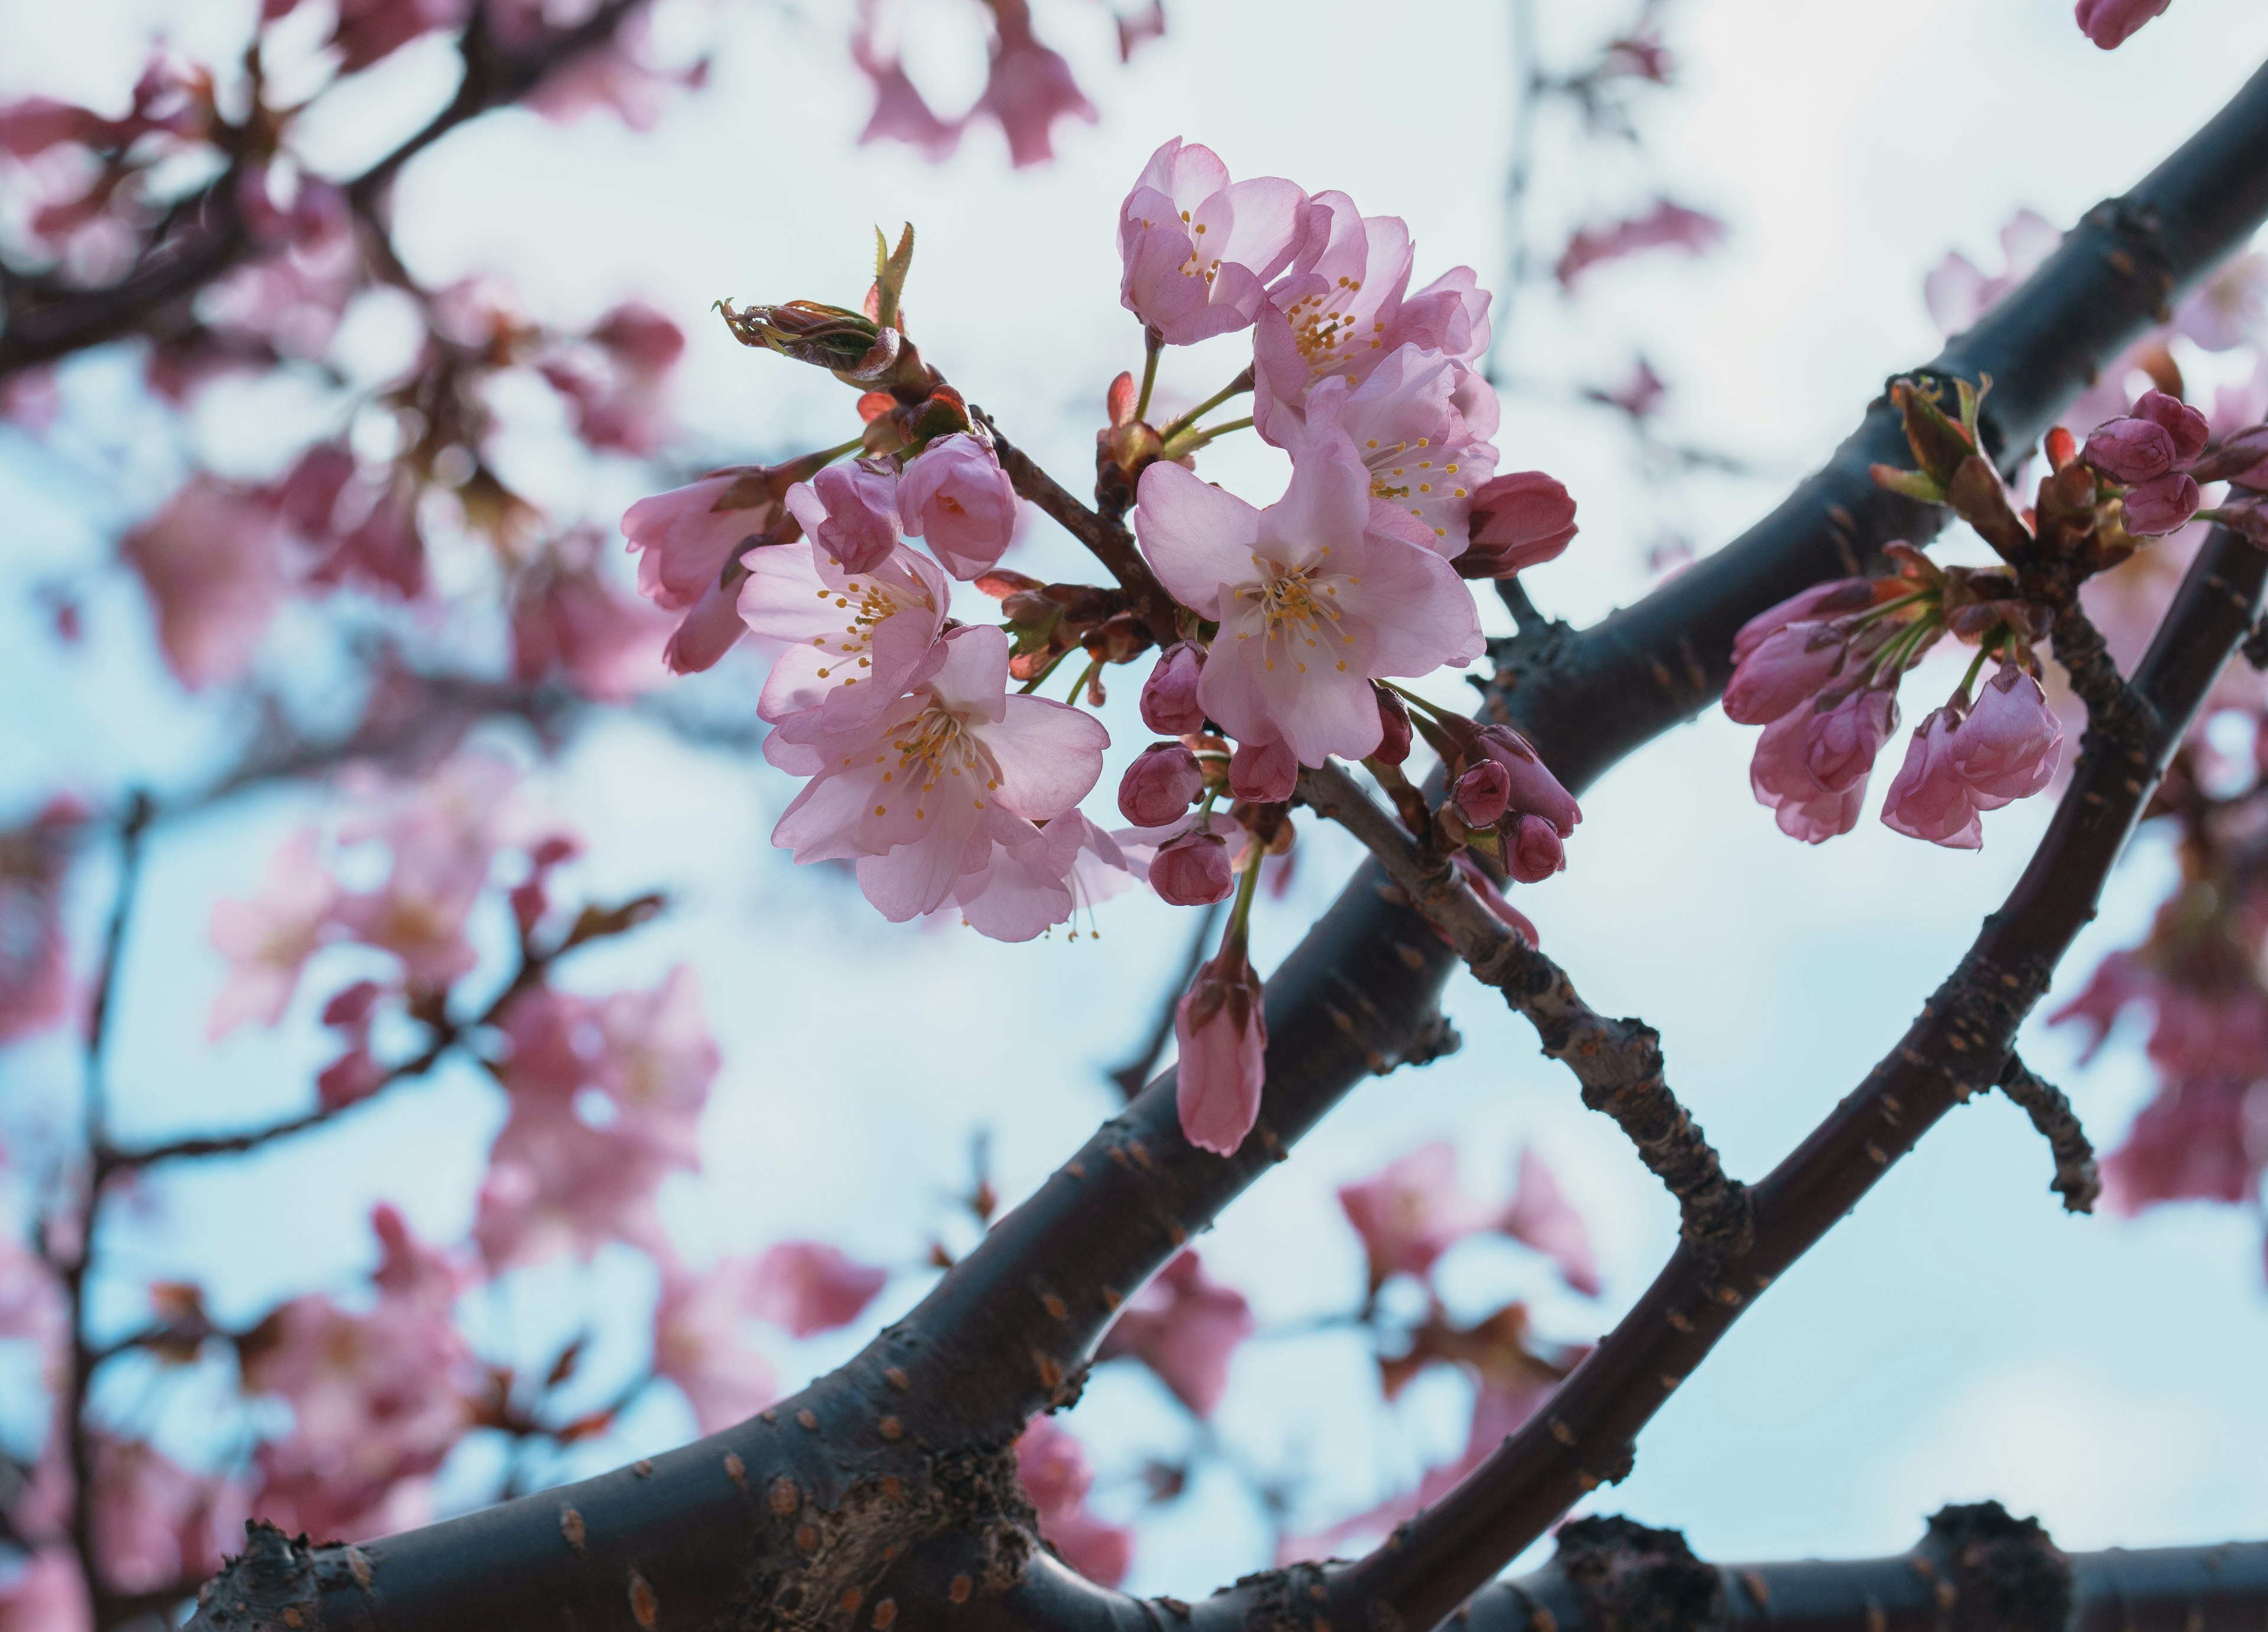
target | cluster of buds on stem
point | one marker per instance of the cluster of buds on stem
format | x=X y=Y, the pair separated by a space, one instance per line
x=1048 y=622
x=1502 y=800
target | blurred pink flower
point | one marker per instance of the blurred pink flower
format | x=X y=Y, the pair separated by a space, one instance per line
x=1540 y=1215
x=568 y=620
x=1666 y=225
x=157 y=1523
x=1029 y=88
x=1056 y=1476
x=35 y=984
x=1958 y=292
x=267 y=940
x=697 y=1344
x=2198 y=1140
x=620 y=406
x=2111 y=23
x=808 y=1286
x=211 y=560
x=1184 y=1326
x=1411 y=1211
x=370 y=29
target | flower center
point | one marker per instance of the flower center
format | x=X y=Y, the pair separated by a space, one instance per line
x=875 y=606
x=1295 y=606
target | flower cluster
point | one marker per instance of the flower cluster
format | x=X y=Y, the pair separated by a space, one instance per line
x=1280 y=630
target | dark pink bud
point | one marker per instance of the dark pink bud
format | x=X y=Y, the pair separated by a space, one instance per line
x=1264 y=773
x=1817 y=604
x=1193 y=870
x=1533 y=788
x=2129 y=449
x=1839 y=744
x=2184 y=424
x=1394 y=728
x=1781 y=671
x=1164 y=780
x=2006 y=748
x=1482 y=793
x=2162 y=506
x=1169 y=696
x=2109 y=22
x=1928 y=798
x=1519 y=519
x=1534 y=851
x=858 y=522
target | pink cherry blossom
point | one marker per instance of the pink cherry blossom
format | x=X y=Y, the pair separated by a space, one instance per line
x=568 y=620
x=697 y=1344
x=1184 y=1326
x=956 y=499
x=901 y=113
x=1816 y=604
x=1840 y=742
x=688 y=541
x=156 y=1523
x=855 y=642
x=1169 y=696
x=419 y=913
x=2007 y=748
x=2230 y=308
x=1666 y=225
x=1266 y=773
x=2198 y=1140
x=1042 y=878
x=1534 y=790
x=918 y=794
x=1411 y=1211
x=1535 y=851
x=1518 y=520
x=47 y=1593
x=269 y=940
x=1030 y=87
x=2188 y=430
x=1482 y=793
x=2164 y=506
x=1541 y=1217
x=2130 y=449
x=2111 y=23
x=555 y=1183
x=211 y=560
x=1929 y=799
x=850 y=512
x=1786 y=669
x=1315 y=595
x=1195 y=870
x=1958 y=292
x=1779 y=775
x=1197 y=250
x=1055 y=1475
x=1163 y=780
x=1224 y=1042
x=808 y=1286
x=35 y=984
x=613 y=387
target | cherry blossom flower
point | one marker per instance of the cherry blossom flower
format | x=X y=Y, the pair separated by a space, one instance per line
x=48 y=1593
x=1929 y=799
x=1223 y=1032
x=156 y=1523
x=1206 y=846
x=689 y=541
x=1314 y=595
x=918 y=794
x=1535 y=850
x=1169 y=696
x=568 y=619
x=620 y=408
x=1666 y=225
x=1840 y=742
x=1055 y=1475
x=2111 y=23
x=1029 y=88
x=1780 y=776
x=1958 y=292
x=1198 y=251
x=1028 y=887
x=850 y=512
x=955 y=498
x=1163 y=780
x=1534 y=790
x=1541 y=1217
x=267 y=940
x=1517 y=520
x=1411 y=1211
x=697 y=1344
x=1184 y=1326
x=1480 y=796
x=901 y=113
x=2200 y=1139
x=35 y=982
x=2007 y=748
x=555 y=1183
x=808 y=1286
x=1266 y=773
x=211 y=560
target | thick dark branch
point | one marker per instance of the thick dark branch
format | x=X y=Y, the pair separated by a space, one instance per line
x=206 y=237
x=1585 y=1437
x=2076 y=1180
x=1618 y=1062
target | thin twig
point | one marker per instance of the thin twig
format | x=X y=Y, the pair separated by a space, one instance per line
x=2076 y=1180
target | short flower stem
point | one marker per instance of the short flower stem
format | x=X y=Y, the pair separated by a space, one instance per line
x=831 y=454
x=1040 y=679
x=1189 y=441
x=1975 y=667
x=1239 y=914
x=1235 y=387
x=1087 y=677
x=1153 y=344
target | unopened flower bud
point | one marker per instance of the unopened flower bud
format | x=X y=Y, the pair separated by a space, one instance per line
x=1532 y=850
x=1193 y=870
x=1482 y=794
x=1534 y=787
x=2184 y=424
x=1264 y=773
x=1394 y=728
x=1840 y=743
x=2129 y=449
x=1519 y=519
x=2007 y=748
x=850 y=343
x=1164 y=780
x=1169 y=696
x=2162 y=506
x=850 y=511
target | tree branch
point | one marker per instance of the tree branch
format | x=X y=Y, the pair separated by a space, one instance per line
x=2076 y=1180
x=1109 y=540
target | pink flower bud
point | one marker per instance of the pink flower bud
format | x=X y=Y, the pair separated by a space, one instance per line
x=1169 y=696
x=1519 y=519
x=2109 y=22
x=1394 y=728
x=1223 y=1034
x=2184 y=424
x=1264 y=773
x=1780 y=776
x=1817 y=604
x=850 y=511
x=2007 y=748
x=1929 y=799
x=957 y=500
x=2129 y=449
x=1533 y=788
x=1781 y=671
x=1534 y=852
x=2162 y=506
x=1193 y=870
x=1482 y=793
x=1839 y=744
x=1164 y=780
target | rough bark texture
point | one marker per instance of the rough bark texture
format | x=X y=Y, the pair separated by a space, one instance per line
x=887 y=1483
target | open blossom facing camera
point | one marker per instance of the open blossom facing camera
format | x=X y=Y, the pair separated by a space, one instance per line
x=854 y=641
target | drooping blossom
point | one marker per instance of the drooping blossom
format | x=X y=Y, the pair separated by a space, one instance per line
x=2111 y=23
x=808 y=1286
x=1534 y=790
x=443 y=834
x=1518 y=520
x=617 y=75
x=698 y=1343
x=917 y=795
x=1198 y=251
x=267 y=940
x=850 y=512
x=1929 y=799
x=1540 y=1215
x=1184 y=1326
x=1315 y=595
x=956 y=499
x=1535 y=850
x=1780 y=776
x=1841 y=742
x=1042 y=879
x=212 y=562
x=618 y=404
x=1666 y=225
x=1223 y=1032
x=1169 y=696
x=1053 y=1468
x=378 y=1398
x=35 y=982
x=1197 y=868
x=2200 y=1139
x=1411 y=1211
x=900 y=112
x=1029 y=88
x=690 y=540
